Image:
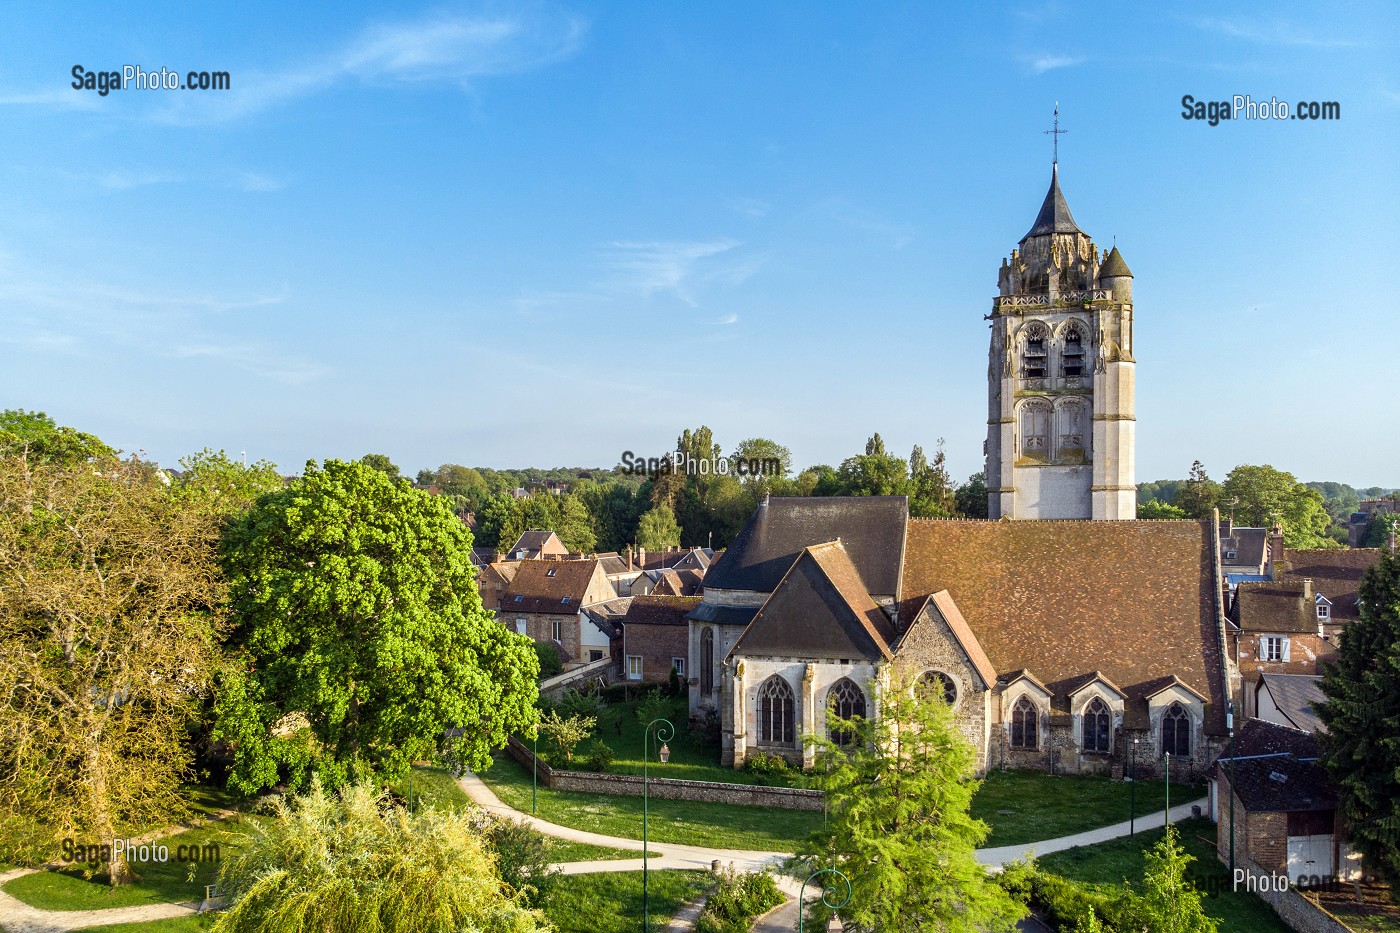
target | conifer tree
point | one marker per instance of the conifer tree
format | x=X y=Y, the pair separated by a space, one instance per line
x=899 y=825
x=1362 y=716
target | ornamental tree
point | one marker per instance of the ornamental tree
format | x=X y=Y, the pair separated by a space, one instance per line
x=361 y=643
x=1361 y=746
x=899 y=826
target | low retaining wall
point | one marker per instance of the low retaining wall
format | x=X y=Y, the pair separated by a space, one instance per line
x=555 y=686
x=630 y=785
x=1297 y=911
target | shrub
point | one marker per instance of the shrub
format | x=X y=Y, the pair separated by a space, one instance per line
x=522 y=859
x=674 y=682
x=551 y=664
x=737 y=900
x=580 y=704
x=599 y=756
x=655 y=706
x=1069 y=905
x=764 y=763
x=562 y=734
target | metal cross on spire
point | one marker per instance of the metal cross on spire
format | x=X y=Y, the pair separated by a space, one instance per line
x=1056 y=133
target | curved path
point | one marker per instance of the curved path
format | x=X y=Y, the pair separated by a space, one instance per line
x=18 y=917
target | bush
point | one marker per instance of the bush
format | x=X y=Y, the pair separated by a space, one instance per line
x=737 y=900
x=522 y=859
x=655 y=706
x=551 y=664
x=580 y=704
x=626 y=693
x=1066 y=904
x=675 y=683
x=599 y=756
x=764 y=763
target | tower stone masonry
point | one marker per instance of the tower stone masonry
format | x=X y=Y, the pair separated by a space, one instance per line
x=1060 y=423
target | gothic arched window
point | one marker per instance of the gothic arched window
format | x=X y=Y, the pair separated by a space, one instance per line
x=775 y=712
x=940 y=685
x=707 y=661
x=847 y=701
x=1176 y=732
x=1025 y=724
x=1035 y=352
x=1097 y=726
x=1072 y=359
x=1035 y=429
x=1070 y=433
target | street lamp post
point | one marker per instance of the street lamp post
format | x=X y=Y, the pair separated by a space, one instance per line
x=801 y=897
x=1167 y=779
x=535 y=777
x=1132 y=787
x=665 y=733
x=1230 y=724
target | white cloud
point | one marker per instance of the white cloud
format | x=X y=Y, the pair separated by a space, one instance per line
x=1039 y=64
x=671 y=267
x=729 y=319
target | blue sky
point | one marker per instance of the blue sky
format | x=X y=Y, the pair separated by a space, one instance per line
x=542 y=234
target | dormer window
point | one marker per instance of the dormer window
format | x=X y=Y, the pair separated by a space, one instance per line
x=565 y=600
x=1324 y=611
x=551 y=571
x=1230 y=555
x=520 y=599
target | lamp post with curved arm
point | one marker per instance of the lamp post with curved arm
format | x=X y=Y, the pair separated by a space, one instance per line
x=826 y=890
x=665 y=733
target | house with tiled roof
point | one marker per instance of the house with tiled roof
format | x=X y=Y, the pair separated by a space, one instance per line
x=1057 y=642
x=1276 y=630
x=1248 y=553
x=537 y=543
x=1289 y=700
x=655 y=637
x=1335 y=575
x=547 y=599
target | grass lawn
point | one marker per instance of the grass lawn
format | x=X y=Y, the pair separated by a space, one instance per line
x=701 y=824
x=691 y=759
x=435 y=787
x=67 y=889
x=1046 y=807
x=1377 y=913
x=1108 y=864
x=612 y=903
x=195 y=923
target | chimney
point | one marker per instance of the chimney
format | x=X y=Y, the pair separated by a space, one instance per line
x=1227 y=526
x=641 y=557
x=629 y=558
x=1391 y=542
x=1275 y=546
x=1307 y=590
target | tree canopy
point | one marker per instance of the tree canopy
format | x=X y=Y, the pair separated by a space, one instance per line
x=45 y=441
x=360 y=635
x=1362 y=715
x=1259 y=496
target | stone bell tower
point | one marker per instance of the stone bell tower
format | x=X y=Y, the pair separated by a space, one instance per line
x=1060 y=424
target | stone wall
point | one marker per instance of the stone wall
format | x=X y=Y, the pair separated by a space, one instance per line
x=1297 y=911
x=630 y=785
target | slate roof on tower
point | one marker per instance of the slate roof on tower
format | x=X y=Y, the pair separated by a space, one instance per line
x=1133 y=600
x=871 y=530
x=1054 y=216
x=1114 y=266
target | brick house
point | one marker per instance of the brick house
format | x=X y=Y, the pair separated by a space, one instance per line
x=1335 y=575
x=656 y=637
x=1277 y=630
x=1058 y=643
x=1284 y=817
x=546 y=600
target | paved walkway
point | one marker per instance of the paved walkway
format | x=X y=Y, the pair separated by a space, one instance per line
x=1000 y=855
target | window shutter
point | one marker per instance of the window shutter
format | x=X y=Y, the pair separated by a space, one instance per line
x=1286 y=643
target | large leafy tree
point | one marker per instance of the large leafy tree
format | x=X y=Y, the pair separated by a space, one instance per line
x=212 y=481
x=1259 y=496
x=971 y=496
x=657 y=529
x=1362 y=714
x=899 y=825
x=356 y=861
x=1200 y=494
x=931 y=492
x=362 y=636
x=875 y=473
x=35 y=434
x=110 y=613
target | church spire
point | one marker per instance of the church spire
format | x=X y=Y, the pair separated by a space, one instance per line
x=1054 y=216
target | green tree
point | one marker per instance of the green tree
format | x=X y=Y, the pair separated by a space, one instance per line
x=1379 y=527
x=760 y=451
x=657 y=529
x=362 y=636
x=46 y=442
x=899 y=825
x=876 y=473
x=110 y=613
x=575 y=524
x=212 y=481
x=1259 y=496
x=931 y=493
x=564 y=733
x=1170 y=903
x=382 y=463
x=352 y=862
x=813 y=479
x=971 y=497
x=498 y=522
x=1155 y=508
x=1362 y=715
x=1200 y=495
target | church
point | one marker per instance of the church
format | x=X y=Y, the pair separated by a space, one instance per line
x=1065 y=634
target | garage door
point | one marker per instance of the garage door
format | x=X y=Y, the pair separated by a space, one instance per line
x=1309 y=858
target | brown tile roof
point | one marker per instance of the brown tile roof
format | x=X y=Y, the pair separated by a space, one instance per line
x=1060 y=599
x=820 y=609
x=1269 y=606
x=535 y=540
x=660 y=610
x=1276 y=769
x=943 y=602
x=543 y=585
x=1335 y=573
